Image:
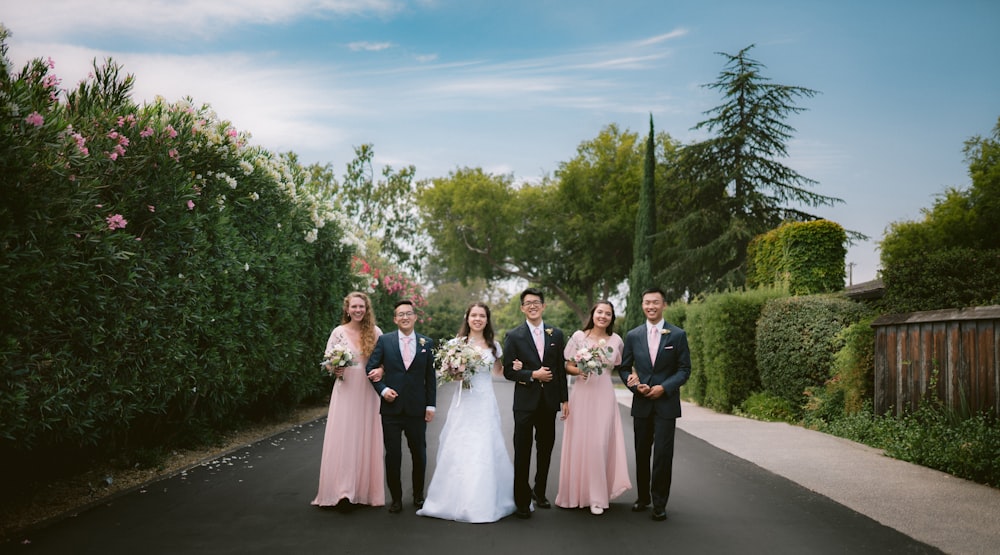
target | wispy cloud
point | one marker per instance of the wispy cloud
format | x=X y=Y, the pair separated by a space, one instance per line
x=174 y=18
x=369 y=46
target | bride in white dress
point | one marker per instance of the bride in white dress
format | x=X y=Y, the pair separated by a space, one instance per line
x=474 y=477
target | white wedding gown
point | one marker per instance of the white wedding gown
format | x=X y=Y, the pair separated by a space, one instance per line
x=474 y=477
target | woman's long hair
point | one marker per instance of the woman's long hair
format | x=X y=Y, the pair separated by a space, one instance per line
x=464 y=329
x=590 y=321
x=367 y=322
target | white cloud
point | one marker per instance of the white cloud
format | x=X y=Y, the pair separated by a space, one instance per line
x=173 y=18
x=369 y=46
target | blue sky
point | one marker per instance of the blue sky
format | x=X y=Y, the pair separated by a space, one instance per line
x=515 y=86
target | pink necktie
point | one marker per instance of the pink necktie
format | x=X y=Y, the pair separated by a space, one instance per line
x=539 y=344
x=407 y=351
x=654 y=345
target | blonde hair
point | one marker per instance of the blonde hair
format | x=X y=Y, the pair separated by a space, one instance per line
x=367 y=322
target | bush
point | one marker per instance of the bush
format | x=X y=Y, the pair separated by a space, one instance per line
x=946 y=278
x=931 y=436
x=806 y=256
x=762 y=406
x=721 y=332
x=160 y=279
x=797 y=339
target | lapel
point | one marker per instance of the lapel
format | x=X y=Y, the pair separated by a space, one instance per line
x=530 y=338
x=393 y=348
x=417 y=348
x=645 y=341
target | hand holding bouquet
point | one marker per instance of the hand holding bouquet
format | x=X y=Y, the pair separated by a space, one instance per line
x=591 y=360
x=338 y=356
x=456 y=360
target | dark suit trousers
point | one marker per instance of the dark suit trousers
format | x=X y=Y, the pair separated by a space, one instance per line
x=541 y=423
x=654 y=436
x=394 y=426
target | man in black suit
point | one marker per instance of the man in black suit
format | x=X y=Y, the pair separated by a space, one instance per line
x=408 y=389
x=539 y=392
x=655 y=364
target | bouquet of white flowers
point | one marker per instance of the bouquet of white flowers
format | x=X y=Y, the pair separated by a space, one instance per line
x=592 y=360
x=337 y=356
x=456 y=360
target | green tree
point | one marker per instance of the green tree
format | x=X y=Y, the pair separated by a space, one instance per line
x=381 y=208
x=950 y=258
x=645 y=228
x=737 y=186
x=960 y=217
x=569 y=235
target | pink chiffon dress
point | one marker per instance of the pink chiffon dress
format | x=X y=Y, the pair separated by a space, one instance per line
x=593 y=468
x=352 y=466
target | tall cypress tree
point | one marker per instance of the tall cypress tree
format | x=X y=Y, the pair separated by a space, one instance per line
x=641 y=275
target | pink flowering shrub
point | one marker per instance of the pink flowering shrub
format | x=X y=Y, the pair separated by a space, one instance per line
x=387 y=286
x=157 y=282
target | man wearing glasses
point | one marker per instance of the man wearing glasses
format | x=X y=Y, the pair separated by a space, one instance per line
x=408 y=390
x=533 y=359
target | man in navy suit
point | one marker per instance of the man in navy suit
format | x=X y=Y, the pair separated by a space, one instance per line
x=539 y=392
x=655 y=364
x=408 y=390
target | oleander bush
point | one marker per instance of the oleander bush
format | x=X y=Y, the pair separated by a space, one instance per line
x=161 y=278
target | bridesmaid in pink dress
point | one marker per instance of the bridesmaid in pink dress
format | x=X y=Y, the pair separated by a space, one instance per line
x=593 y=468
x=352 y=470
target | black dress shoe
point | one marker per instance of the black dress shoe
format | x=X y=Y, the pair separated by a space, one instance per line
x=639 y=506
x=523 y=513
x=541 y=502
x=395 y=507
x=659 y=514
x=418 y=502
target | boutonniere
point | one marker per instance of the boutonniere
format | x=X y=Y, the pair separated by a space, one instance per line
x=548 y=331
x=422 y=341
x=664 y=331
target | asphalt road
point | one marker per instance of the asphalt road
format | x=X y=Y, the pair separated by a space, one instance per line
x=257 y=500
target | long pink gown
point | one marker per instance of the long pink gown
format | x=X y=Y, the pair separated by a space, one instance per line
x=593 y=468
x=352 y=465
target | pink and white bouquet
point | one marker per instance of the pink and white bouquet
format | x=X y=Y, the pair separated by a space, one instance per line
x=591 y=360
x=456 y=360
x=337 y=356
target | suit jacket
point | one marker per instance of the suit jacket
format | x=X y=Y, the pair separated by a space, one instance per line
x=416 y=386
x=672 y=369
x=528 y=393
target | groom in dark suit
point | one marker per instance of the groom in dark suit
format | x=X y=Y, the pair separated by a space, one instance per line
x=408 y=389
x=655 y=364
x=539 y=392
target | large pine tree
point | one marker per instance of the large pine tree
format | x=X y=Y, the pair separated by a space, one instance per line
x=735 y=185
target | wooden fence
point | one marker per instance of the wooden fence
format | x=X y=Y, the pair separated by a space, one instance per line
x=957 y=351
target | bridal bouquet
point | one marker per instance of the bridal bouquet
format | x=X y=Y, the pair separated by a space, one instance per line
x=593 y=359
x=338 y=356
x=456 y=360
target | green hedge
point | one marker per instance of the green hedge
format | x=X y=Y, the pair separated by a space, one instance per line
x=797 y=339
x=808 y=257
x=160 y=277
x=947 y=278
x=722 y=338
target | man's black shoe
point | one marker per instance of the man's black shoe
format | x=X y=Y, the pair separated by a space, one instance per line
x=659 y=514
x=639 y=506
x=541 y=502
x=395 y=507
x=523 y=513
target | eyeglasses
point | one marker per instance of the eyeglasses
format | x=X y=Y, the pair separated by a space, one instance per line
x=532 y=303
x=404 y=314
